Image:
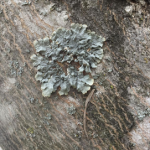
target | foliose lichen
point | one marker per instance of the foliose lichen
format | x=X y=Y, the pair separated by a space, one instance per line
x=66 y=58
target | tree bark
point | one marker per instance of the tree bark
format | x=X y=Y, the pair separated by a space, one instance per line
x=120 y=103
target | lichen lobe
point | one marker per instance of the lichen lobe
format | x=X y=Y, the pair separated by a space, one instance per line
x=78 y=49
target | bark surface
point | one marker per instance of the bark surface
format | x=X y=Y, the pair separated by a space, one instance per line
x=117 y=116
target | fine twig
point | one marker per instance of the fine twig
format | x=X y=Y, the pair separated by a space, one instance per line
x=84 y=117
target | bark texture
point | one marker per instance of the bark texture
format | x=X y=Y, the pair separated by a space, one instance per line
x=117 y=116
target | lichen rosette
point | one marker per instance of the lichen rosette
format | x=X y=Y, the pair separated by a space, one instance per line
x=65 y=60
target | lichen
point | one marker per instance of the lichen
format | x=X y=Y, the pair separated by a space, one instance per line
x=71 y=110
x=65 y=60
x=30 y=130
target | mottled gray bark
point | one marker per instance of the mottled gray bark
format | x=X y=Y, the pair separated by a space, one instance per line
x=117 y=116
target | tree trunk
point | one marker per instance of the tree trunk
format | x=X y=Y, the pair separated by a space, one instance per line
x=117 y=115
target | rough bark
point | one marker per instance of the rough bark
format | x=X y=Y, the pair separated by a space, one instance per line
x=120 y=104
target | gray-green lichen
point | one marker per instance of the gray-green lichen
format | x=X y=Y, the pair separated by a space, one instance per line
x=71 y=110
x=75 y=50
